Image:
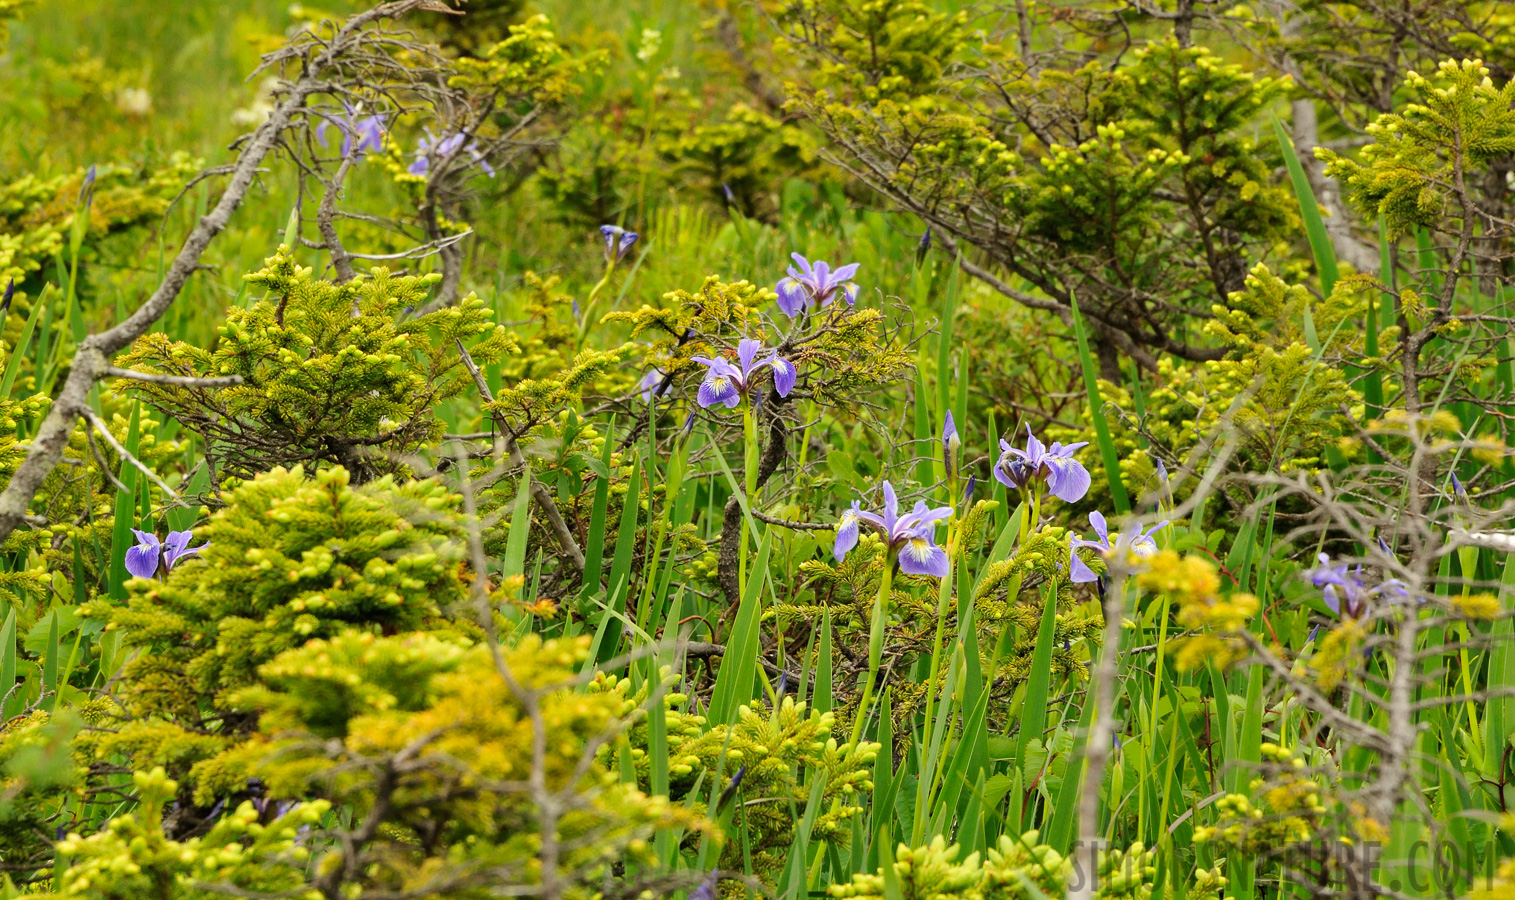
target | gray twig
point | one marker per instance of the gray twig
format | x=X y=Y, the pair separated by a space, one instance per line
x=92 y=358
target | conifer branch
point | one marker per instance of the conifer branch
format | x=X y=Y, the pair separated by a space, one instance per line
x=91 y=361
x=539 y=491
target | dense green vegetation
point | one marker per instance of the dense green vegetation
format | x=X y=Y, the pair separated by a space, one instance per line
x=899 y=449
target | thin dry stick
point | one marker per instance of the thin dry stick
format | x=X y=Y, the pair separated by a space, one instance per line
x=176 y=380
x=91 y=360
x=539 y=491
x=100 y=426
x=1097 y=744
x=326 y=214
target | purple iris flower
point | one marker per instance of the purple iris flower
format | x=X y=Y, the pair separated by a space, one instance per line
x=706 y=889
x=726 y=383
x=652 y=383
x=1066 y=477
x=443 y=149
x=617 y=241
x=1130 y=540
x=142 y=560
x=950 y=440
x=367 y=132
x=1344 y=590
x=912 y=534
x=814 y=283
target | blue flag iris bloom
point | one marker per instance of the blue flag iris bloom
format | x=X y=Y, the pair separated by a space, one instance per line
x=1065 y=476
x=912 y=535
x=727 y=384
x=142 y=560
x=1132 y=539
x=429 y=146
x=815 y=284
x=366 y=133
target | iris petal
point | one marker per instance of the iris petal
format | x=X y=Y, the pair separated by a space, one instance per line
x=792 y=296
x=1078 y=570
x=1071 y=480
x=846 y=533
x=919 y=556
x=784 y=375
x=142 y=560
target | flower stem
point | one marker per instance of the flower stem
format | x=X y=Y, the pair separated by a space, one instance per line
x=875 y=644
x=749 y=479
x=589 y=301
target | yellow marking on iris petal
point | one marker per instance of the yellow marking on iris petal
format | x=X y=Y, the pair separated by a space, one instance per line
x=920 y=549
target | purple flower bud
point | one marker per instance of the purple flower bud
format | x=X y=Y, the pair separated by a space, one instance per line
x=87 y=189
x=1162 y=470
x=968 y=491
x=923 y=247
x=617 y=241
x=950 y=442
x=10 y=293
x=730 y=197
x=1458 y=490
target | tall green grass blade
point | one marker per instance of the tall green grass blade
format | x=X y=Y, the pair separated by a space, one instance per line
x=620 y=565
x=824 y=669
x=594 y=549
x=520 y=526
x=944 y=344
x=13 y=699
x=1034 y=711
x=50 y=664
x=884 y=784
x=121 y=532
x=924 y=433
x=1315 y=226
x=1499 y=719
x=18 y=352
x=1059 y=833
x=737 y=677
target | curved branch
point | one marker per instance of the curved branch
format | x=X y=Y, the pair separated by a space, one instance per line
x=91 y=361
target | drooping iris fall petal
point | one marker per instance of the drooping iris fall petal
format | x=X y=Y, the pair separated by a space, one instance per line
x=142 y=559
